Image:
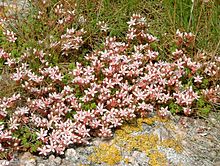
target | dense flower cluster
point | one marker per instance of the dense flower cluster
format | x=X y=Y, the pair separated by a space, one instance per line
x=10 y=35
x=121 y=81
x=67 y=39
x=213 y=94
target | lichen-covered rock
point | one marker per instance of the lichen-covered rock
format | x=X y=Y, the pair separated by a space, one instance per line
x=150 y=141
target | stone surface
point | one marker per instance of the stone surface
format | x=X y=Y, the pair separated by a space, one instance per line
x=217 y=163
x=70 y=152
x=54 y=161
x=27 y=159
x=140 y=158
x=4 y=162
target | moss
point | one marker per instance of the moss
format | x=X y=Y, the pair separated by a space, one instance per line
x=147 y=143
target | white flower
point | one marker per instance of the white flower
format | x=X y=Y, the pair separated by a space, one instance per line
x=22 y=110
x=198 y=79
x=163 y=111
x=131 y=22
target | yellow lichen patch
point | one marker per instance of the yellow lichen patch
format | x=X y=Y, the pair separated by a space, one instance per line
x=148 y=121
x=147 y=143
x=151 y=120
x=106 y=153
x=122 y=138
x=126 y=160
x=170 y=126
x=129 y=128
x=157 y=159
x=160 y=119
x=144 y=143
x=171 y=143
x=128 y=142
x=82 y=165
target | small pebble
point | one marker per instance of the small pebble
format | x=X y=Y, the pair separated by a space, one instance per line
x=4 y=162
x=41 y=164
x=57 y=160
x=51 y=158
x=70 y=153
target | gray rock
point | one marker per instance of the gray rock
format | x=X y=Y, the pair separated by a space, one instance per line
x=162 y=133
x=54 y=161
x=51 y=158
x=175 y=158
x=4 y=162
x=41 y=164
x=70 y=153
x=27 y=159
x=217 y=163
x=140 y=158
